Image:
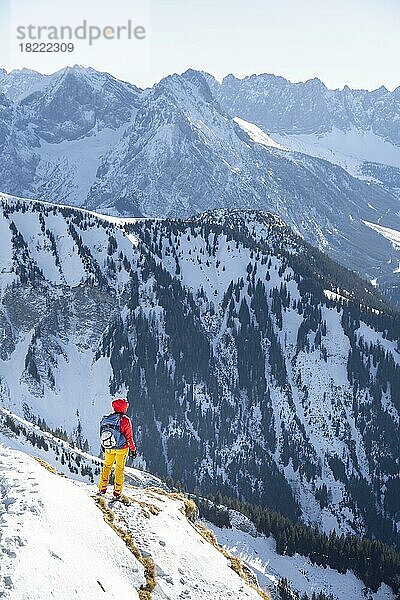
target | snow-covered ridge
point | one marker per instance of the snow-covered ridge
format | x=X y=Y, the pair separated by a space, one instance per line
x=390 y=234
x=54 y=540
x=257 y=134
x=115 y=220
x=57 y=544
x=52 y=247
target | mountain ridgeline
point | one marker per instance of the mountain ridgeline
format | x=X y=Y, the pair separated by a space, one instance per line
x=190 y=144
x=310 y=106
x=255 y=366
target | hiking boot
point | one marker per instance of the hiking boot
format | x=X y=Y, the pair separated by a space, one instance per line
x=101 y=492
x=117 y=496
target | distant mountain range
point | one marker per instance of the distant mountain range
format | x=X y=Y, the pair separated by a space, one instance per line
x=280 y=106
x=325 y=161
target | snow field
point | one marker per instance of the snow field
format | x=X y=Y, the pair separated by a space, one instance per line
x=187 y=565
x=390 y=234
x=54 y=541
x=56 y=544
x=257 y=134
x=345 y=148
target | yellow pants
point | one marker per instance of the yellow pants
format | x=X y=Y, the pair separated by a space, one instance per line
x=118 y=457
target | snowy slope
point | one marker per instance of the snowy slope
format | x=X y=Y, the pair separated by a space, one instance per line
x=187 y=565
x=56 y=544
x=63 y=173
x=259 y=553
x=54 y=540
x=349 y=149
x=257 y=135
x=390 y=234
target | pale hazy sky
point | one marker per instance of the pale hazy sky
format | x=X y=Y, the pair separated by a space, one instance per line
x=340 y=41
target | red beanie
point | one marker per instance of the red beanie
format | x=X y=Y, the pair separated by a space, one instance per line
x=120 y=405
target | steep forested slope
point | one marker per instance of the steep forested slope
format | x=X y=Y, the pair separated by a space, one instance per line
x=254 y=365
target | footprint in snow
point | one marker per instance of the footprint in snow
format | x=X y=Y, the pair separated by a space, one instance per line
x=8 y=502
x=161 y=574
x=8 y=582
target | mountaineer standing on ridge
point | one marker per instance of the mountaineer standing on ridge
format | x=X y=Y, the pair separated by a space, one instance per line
x=116 y=437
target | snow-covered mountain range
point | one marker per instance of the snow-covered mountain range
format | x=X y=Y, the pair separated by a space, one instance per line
x=255 y=365
x=325 y=161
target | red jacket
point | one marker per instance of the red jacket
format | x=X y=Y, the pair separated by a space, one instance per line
x=126 y=430
x=120 y=405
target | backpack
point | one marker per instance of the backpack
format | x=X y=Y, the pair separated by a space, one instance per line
x=111 y=437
